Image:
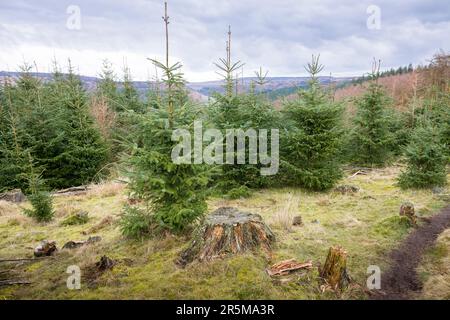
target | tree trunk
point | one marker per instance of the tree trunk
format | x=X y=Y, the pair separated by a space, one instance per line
x=334 y=271
x=227 y=231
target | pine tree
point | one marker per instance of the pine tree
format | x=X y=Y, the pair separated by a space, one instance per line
x=82 y=152
x=371 y=139
x=13 y=161
x=52 y=123
x=438 y=111
x=20 y=103
x=312 y=142
x=129 y=97
x=426 y=159
x=244 y=111
x=107 y=87
x=39 y=198
x=174 y=194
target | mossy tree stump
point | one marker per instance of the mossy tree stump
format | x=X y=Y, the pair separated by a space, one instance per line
x=334 y=271
x=407 y=210
x=227 y=231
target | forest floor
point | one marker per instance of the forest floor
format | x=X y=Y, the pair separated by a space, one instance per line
x=366 y=224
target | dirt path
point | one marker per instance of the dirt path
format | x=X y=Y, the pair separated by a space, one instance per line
x=401 y=280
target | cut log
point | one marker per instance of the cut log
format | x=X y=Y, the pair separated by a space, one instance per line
x=81 y=190
x=334 y=271
x=20 y=259
x=362 y=172
x=15 y=195
x=105 y=263
x=287 y=266
x=13 y=282
x=77 y=244
x=227 y=231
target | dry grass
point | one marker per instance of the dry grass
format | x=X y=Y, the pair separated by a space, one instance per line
x=105 y=189
x=105 y=222
x=7 y=208
x=103 y=115
x=435 y=269
x=66 y=209
x=286 y=210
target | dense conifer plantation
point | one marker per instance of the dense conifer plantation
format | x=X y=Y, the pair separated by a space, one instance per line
x=52 y=123
x=13 y=157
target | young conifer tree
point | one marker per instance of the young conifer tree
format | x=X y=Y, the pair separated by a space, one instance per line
x=13 y=156
x=371 y=139
x=51 y=122
x=40 y=199
x=311 y=145
x=438 y=111
x=245 y=111
x=107 y=86
x=129 y=97
x=174 y=193
x=426 y=159
x=82 y=152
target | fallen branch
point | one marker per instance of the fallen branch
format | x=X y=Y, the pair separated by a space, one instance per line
x=71 y=191
x=21 y=259
x=13 y=282
x=287 y=266
x=357 y=173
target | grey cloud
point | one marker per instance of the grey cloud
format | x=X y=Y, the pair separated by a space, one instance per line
x=279 y=35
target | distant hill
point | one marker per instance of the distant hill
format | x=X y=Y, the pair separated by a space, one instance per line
x=276 y=87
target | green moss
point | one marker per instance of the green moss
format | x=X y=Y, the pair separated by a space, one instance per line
x=393 y=227
x=75 y=219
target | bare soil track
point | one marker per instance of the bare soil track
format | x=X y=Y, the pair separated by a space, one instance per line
x=401 y=280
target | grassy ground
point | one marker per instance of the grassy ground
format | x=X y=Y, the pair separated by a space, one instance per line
x=435 y=269
x=366 y=224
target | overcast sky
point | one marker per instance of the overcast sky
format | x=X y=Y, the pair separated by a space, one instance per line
x=279 y=35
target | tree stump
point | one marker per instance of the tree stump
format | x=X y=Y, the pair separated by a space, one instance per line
x=347 y=189
x=105 y=263
x=227 y=231
x=297 y=221
x=407 y=210
x=334 y=271
x=45 y=248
